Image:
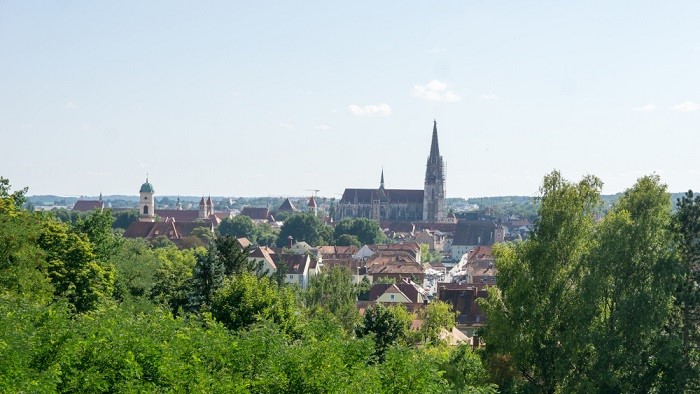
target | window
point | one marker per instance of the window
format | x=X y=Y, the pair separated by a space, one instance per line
x=145 y=209
x=392 y=296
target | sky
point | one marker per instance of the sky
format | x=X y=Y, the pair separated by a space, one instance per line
x=264 y=99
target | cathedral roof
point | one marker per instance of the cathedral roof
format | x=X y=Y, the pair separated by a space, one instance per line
x=365 y=196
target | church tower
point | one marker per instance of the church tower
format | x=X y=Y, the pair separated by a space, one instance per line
x=434 y=191
x=147 y=206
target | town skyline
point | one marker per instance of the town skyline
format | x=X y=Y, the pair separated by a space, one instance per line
x=251 y=100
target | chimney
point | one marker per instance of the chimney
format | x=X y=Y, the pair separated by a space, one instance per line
x=290 y=241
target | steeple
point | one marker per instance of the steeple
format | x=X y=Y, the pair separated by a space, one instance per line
x=434 y=191
x=434 y=148
x=381 y=182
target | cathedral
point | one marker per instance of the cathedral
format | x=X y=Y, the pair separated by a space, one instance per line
x=401 y=204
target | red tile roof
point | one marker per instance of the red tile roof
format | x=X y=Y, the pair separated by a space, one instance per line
x=180 y=215
x=87 y=205
x=256 y=213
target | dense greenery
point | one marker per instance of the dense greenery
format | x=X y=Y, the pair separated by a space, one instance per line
x=607 y=306
x=84 y=310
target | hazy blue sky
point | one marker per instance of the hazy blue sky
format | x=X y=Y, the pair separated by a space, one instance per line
x=255 y=98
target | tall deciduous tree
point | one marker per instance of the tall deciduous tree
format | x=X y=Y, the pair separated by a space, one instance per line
x=389 y=325
x=334 y=292
x=628 y=294
x=239 y=226
x=533 y=315
x=366 y=230
x=73 y=268
x=246 y=299
x=304 y=227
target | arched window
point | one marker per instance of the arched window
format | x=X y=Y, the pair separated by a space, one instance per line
x=145 y=209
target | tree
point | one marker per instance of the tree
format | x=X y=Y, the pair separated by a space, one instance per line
x=123 y=219
x=687 y=293
x=632 y=269
x=234 y=258
x=348 y=240
x=172 y=277
x=366 y=230
x=17 y=197
x=208 y=276
x=73 y=268
x=437 y=316
x=389 y=325
x=204 y=234
x=246 y=299
x=135 y=265
x=334 y=292
x=239 y=226
x=304 y=227
x=534 y=314
x=97 y=225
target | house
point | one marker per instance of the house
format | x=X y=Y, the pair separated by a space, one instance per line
x=296 y=266
x=410 y=248
x=470 y=234
x=258 y=215
x=405 y=291
x=357 y=270
x=462 y=298
x=173 y=230
x=480 y=267
x=337 y=252
x=397 y=270
x=264 y=257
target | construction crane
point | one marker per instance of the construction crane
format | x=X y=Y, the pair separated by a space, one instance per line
x=313 y=190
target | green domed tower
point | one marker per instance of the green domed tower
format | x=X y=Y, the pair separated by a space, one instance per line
x=147 y=206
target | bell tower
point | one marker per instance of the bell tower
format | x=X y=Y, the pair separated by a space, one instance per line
x=147 y=206
x=434 y=191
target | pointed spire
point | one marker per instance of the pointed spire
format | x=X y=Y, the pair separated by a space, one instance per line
x=201 y=202
x=100 y=199
x=434 y=149
x=381 y=182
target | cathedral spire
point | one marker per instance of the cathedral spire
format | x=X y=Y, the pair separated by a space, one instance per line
x=434 y=149
x=381 y=182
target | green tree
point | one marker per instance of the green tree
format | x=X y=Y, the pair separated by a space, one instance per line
x=238 y=227
x=204 y=234
x=123 y=219
x=17 y=197
x=246 y=299
x=534 y=314
x=366 y=230
x=172 y=277
x=632 y=269
x=135 y=264
x=97 y=225
x=208 y=276
x=348 y=240
x=304 y=227
x=334 y=292
x=687 y=294
x=389 y=326
x=73 y=268
x=234 y=258
x=437 y=316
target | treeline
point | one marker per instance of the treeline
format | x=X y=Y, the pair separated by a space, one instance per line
x=84 y=310
x=307 y=227
x=607 y=306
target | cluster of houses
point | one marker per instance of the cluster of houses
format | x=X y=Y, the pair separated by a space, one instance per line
x=394 y=272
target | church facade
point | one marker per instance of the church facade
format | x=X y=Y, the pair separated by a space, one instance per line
x=382 y=204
